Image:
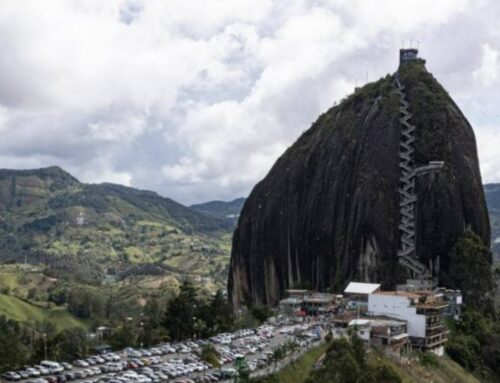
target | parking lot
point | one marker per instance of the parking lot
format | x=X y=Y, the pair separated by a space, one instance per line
x=178 y=362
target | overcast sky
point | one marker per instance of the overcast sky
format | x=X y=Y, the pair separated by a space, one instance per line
x=196 y=99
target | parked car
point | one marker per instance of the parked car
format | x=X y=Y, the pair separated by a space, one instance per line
x=43 y=370
x=12 y=376
x=80 y=363
x=53 y=367
x=24 y=374
x=33 y=372
x=114 y=367
x=91 y=361
x=80 y=374
x=66 y=366
x=132 y=364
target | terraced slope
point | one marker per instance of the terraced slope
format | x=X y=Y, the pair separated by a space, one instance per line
x=93 y=233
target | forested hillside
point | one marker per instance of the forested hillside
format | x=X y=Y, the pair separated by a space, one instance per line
x=221 y=209
x=91 y=233
x=492 y=192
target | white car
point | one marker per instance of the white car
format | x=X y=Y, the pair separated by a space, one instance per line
x=134 y=354
x=33 y=371
x=113 y=367
x=168 y=349
x=155 y=351
x=81 y=363
x=53 y=367
x=43 y=370
x=143 y=379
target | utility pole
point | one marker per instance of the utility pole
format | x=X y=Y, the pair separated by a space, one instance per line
x=142 y=330
x=45 y=345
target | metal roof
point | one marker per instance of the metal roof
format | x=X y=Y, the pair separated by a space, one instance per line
x=359 y=322
x=400 y=336
x=361 y=288
x=291 y=301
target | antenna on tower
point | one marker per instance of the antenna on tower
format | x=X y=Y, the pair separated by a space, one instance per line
x=403 y=44
x=418 y=44
x=411 y=42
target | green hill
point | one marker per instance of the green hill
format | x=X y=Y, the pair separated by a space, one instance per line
x=445 y=370
x=101 y=232
x=24 y=312
x=221 y=209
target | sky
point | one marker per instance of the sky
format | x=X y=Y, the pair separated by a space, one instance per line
x=196 y=99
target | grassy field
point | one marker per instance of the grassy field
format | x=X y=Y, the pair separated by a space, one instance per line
x=447 y=371
x=21 y=311
x=298 y=371
x=19 y=280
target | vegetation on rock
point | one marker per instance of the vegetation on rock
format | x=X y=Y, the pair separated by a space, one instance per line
x=470 y=272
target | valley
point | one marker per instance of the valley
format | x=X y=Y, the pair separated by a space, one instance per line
x=58 y=235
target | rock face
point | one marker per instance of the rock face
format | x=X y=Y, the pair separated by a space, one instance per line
x=328 y=211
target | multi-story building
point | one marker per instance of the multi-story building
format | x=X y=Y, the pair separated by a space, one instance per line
x=387 y=334
x=423 y=312
x=319 y=303
x=305 y=302
x=356 y=294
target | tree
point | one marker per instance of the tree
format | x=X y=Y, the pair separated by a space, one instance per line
x=12 y=352
x=475 y=343
x=345 y=362
x=180 y=313
x=58 y=294
x=71 y=344
x=210 y=355
x=261 y=313
x=153 y=312
x=470 y=271
x=32 y=294
x=217 y=315
x=86 y=302
x=379 y=374
x=126 y=335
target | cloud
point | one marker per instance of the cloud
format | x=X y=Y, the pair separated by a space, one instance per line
x=489 y=142
x=107 y=175
x=123 y=129
x=4 y=117
x=489 y=71
x=197 y=99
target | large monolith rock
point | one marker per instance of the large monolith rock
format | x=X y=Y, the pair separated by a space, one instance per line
x=328 y=210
